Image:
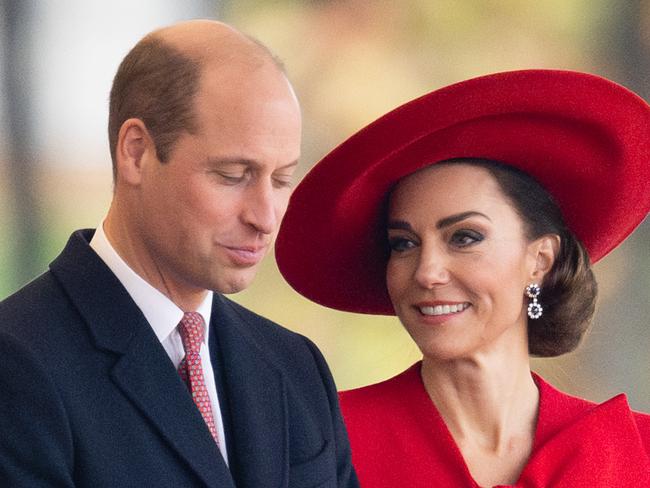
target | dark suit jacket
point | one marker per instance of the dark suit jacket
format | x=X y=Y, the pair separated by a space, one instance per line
x=89 y=397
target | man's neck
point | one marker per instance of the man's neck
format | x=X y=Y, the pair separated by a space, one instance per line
x=129 y=246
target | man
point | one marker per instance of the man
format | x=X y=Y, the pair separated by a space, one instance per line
x=109 y=374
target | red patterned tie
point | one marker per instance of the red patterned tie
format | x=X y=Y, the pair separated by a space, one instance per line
x=191 y=329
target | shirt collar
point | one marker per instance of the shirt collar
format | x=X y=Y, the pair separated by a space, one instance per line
x=162 y=314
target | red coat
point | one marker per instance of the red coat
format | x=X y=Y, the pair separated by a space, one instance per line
x=399 y=440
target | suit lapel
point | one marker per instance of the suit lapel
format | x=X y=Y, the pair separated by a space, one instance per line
x=143 y=371
x=149 y=379
x=257 y=401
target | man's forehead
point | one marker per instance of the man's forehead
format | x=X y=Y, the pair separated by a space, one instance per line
x=243 y=85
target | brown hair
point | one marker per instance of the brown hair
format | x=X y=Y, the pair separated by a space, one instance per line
x=156 y=84
x=569 y=289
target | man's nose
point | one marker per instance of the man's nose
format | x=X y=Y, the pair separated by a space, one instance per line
x=432 y=268
x=260 y=208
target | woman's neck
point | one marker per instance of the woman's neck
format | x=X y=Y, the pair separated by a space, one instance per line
x=489 y=403
x=484 y=398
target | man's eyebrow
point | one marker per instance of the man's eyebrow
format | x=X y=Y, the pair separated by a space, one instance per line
x=442 y=223
x=225 y=161
x=292 y=164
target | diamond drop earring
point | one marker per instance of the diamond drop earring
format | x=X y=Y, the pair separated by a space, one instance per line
x=534 y=308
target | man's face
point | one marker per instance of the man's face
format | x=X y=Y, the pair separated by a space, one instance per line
x=210 y=213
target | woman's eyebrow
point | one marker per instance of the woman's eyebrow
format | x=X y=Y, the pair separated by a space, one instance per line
x=452 y=219
x=442 y=223
x=399 y=224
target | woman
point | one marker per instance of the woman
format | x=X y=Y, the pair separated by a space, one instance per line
x=474 y=214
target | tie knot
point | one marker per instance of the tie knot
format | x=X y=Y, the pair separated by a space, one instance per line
x=191 y=329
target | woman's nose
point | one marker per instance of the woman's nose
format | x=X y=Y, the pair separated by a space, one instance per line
x=432 y=269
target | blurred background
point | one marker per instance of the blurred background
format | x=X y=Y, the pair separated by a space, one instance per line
x=350 y=62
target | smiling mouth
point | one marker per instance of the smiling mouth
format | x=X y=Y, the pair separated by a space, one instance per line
x=443 y=309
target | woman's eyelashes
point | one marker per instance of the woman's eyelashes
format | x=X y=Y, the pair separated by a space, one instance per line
x=400 y=243
x=465 y=237
x=458 y=239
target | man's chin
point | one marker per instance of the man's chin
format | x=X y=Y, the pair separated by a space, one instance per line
x=234 y=284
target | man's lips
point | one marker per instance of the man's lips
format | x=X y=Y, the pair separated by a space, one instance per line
x=246 y=255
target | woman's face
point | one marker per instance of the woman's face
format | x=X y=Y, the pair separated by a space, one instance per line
x=459 y=262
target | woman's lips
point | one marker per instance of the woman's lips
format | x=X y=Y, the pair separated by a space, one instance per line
x=442 y=308
x=439 y=311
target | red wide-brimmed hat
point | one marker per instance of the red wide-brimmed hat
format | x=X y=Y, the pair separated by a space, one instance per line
x=584 y=138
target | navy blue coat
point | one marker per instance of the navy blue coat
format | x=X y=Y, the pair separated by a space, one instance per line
x=89 y=397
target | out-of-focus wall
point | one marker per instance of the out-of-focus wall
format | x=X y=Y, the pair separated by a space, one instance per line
x=350 y=61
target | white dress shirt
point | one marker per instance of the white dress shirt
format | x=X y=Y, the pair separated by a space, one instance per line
x=163 y=317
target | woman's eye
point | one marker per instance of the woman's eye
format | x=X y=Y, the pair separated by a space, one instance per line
x=400 y=244
x=466 y=237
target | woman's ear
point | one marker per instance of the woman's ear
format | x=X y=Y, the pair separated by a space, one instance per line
x=544 y=250
x=133 y=143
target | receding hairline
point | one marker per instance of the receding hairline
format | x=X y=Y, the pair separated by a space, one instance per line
x=182 y=54
x=209 y=41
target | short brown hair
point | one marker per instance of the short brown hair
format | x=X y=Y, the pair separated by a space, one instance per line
x=156 y=84
x=569 y=289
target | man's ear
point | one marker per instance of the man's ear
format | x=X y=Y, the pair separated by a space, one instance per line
x=134 y=145
x=544 y=250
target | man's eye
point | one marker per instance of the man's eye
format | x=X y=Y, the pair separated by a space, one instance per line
x=400 y=244
x=232 y=178
x=283 y=182
x=466 y=237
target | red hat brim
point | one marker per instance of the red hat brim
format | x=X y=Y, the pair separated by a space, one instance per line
x=584 y=138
